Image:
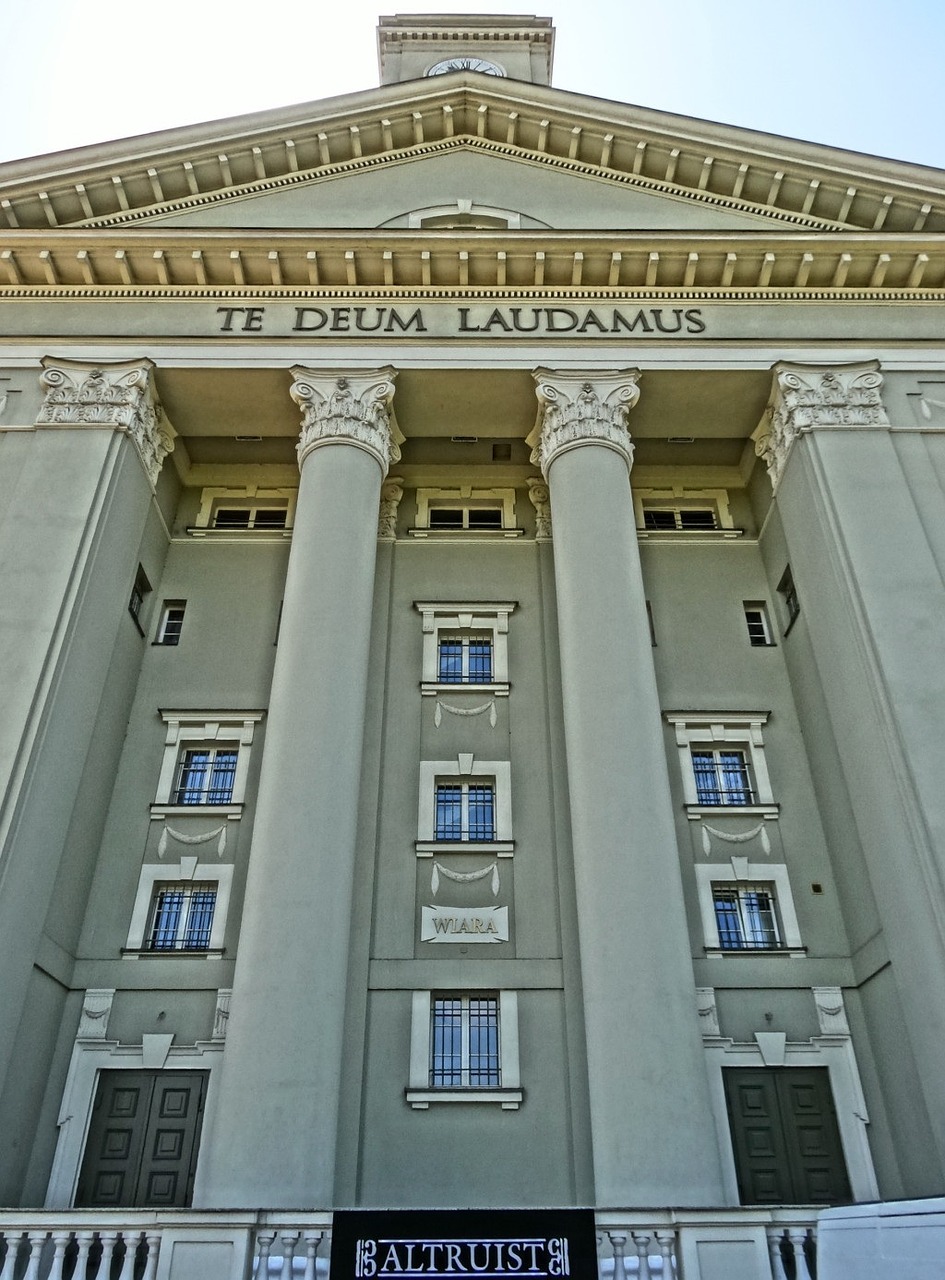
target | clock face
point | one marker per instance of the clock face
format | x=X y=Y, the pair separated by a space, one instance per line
x=466 y=64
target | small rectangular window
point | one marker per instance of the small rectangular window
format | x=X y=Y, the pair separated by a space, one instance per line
x=722 y=777
x=650 y=623
x=250 y=517
x=464 y=1042
x=171 y=622
x=464 y=660
x=182 y=917
x=666 y=517
x=139 y=591
x=756 y=620
x=205 y=775
x=464 y=811
x=746 y=916
x=789 y=600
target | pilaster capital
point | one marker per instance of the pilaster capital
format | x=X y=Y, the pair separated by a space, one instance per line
x=805 y=396
x=118 y=394
x=347 y=406
x=579 y=408
x=392 y=490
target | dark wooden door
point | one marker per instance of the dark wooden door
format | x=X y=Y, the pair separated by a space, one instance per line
x=785 y=1136
x=143 y=1139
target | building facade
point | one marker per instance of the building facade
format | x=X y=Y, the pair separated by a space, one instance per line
x=472 y=620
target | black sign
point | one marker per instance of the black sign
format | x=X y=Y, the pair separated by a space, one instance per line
x=460 y=1244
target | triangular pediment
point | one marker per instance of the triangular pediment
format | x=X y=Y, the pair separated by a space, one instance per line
x=663 y=171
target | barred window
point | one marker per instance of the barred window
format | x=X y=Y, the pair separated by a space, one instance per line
x=665 y=518
x=464 y=1042
x=182 y=917
x=464 y=660
x=746 y=916
x=206 y=775
x=722 y=777
x=464 y=811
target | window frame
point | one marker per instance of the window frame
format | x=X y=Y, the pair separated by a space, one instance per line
x=716 y=731
x=464 y=769
x=174 y=927
x=790 y=603
x=169 y=629
x=486 y=619
x=193 y=730
x=766 y=640
x=466 y=642
x=250 y=498
x=466 y=499
x=678 y=499
x=472 y=799
x=189 y=870
x=740 y=871
x=420 y=1093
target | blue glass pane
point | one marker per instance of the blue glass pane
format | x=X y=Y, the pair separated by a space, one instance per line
x=449 y=813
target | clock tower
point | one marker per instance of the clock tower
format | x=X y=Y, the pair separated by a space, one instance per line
x=410 y=46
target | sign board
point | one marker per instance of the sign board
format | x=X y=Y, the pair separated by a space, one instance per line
x=456 y=1244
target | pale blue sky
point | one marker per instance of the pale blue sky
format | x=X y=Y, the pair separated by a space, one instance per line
x=861 y=74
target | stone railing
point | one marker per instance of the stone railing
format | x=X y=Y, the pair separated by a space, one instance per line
x=775 y=1244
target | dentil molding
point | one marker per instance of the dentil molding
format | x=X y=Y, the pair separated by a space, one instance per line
x=347 y=406
x=579 y=408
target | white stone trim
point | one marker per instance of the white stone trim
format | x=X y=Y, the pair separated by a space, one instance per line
x=740 y=730
x=465 y=496
x=89 y=1057
x=464 y=766
x=187 y=869
x=740 y=869
x=419 y=1093
x=465 y=208
x=833 y=1052
x=192 y=727
x=212 y=498
x=678 y=496
x=480 y=617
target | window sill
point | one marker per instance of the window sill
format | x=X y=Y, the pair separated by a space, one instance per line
x=177 y=953
x=499 y=690
x=432 y=848
x=475 y=535
x=232 y=812
x=205 y=531
x=782 y=952
x=696 y=811
x=689 y=535
x=507 y=1099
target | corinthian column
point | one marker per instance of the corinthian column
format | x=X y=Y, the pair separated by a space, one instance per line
x=653 y=1136
x=283 y=1065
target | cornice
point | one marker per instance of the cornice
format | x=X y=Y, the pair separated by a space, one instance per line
x=793 y=183
x=782 y=266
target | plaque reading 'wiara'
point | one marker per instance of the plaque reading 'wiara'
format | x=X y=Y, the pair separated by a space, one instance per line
x=456 y=1244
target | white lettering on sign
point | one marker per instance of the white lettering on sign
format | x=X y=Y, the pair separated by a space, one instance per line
x=452 y=1258
x=464 y=924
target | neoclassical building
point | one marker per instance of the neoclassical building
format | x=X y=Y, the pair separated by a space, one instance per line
x=472 y=633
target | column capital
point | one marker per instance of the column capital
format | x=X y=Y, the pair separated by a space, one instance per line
x=578 y=408
x=347 y=406
x=805 y=396
x=119 y=394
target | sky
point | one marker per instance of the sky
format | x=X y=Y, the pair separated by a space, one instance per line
x=863 y=75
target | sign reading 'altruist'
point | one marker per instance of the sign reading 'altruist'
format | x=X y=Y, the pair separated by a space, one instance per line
x=448 y=1244
x=440 y=320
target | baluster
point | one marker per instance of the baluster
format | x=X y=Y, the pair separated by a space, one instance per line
x=312 y=1240
x=642 y=1241
x=13 y=1248
x=666 y=1242
x=131 y=1248
x=36 y=1239
x=264 y=1240
x=60 y=1245
x=618 y=1241
x=289 y=1239
x=84 y=1241
x=108 y=1240
x=797 y=1238
x=150 y=1267
x=775 y=1236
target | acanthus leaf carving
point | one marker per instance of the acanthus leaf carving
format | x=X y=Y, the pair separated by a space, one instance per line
x=583 y=408
x=392 y=490
x=347 y=406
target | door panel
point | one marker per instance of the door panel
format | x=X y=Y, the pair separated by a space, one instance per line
x=143 y=1139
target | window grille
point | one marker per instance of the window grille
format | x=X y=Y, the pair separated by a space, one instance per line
x=182 y=917
x=139 y=590
x=464 y=660
x=465 y=517
x=464 y=1042
x=250 y=517
x=788 y=593
x=172 y=622
x=679 y=518
x=206 y=776
x=746 y=916
x=465 y=811
x=722 y=777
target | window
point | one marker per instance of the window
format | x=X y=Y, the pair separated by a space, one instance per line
x=139 y=591
x=464 y=801
x=465 y=644
x=206 y=775
x=756 y=620
x=790 y=603
x=680 y=510
x=465 y=659
x=746 y=916
x=465 y=510
x=171 y=622
x=721 y=777
x=206 y=760
x=244 y=510
x=465 y=811
x=464 y=1042
x=182 y=917
x=722 y=761
x=464 y=1048
x=679 y=517
x=250 y=517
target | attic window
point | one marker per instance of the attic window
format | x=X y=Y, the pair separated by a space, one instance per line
x=465 y=221
x=465 y=214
